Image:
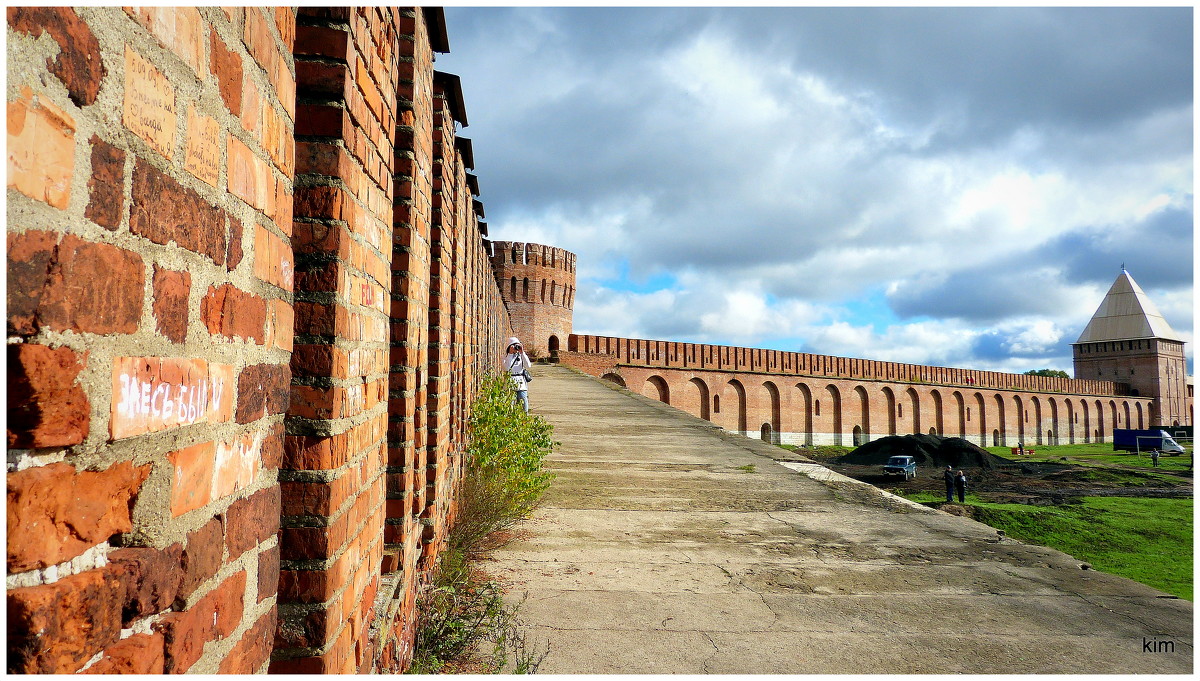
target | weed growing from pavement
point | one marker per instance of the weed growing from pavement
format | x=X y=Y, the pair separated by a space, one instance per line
x=463 y=622
x=748 y=468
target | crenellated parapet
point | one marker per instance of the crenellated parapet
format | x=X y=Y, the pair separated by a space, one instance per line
x=537 y=284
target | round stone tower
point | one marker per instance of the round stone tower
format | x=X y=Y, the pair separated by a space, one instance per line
x=537 y=284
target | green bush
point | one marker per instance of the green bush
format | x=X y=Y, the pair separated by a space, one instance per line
x=503 y=479
x=461 y=613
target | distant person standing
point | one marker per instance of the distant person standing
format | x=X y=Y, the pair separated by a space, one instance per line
x=948 y=476
x=1154 y=457
x=960 y=485
x=517 y=363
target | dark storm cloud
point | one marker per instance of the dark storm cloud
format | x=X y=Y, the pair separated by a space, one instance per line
x=1158 y=253
x=999 y=68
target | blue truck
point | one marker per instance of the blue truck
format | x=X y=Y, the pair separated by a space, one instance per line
x=1139 y=439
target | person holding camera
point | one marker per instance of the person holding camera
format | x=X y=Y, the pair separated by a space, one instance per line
x=517 y=364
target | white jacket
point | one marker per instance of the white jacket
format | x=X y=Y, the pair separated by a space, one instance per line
x=515 y=363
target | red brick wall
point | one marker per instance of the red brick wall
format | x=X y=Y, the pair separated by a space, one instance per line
x=813 y=399
x=538 y=286
x=150 y=311
x=225 y=225
x=333 y=472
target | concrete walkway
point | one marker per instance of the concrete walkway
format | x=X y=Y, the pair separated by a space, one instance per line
x=669 y=546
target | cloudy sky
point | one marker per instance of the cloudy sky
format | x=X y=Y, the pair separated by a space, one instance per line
x=956 y=187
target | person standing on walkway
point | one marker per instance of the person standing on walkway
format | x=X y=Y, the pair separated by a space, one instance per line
x=948 y=476
x=960 y=484
x=517 y=364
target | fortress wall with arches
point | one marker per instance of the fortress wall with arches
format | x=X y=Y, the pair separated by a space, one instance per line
x=797 y=398
x=538 y=286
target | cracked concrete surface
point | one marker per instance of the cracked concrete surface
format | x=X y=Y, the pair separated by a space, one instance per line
x=655 y=553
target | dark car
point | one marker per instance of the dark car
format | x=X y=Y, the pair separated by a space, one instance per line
x=901 y=465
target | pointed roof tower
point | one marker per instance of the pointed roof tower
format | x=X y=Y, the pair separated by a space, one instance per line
x=1125 y=314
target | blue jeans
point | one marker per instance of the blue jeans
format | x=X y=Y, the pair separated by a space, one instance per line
x=523 y=399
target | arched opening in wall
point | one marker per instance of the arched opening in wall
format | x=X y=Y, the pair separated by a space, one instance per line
x=1141 y=423
x=806 y=413
x=543 y=299
x=716 y=404
x=1050 y=439
x=890 y=398
x=979 y=409
x=1037 y=418
x=914 y=404
x=1112 y=413
x=513 y=288
x=513 y=255
x=1087 y=421
x=1099 y=421
x=938 y=426
x=1071 y=418
x=701 y=392
x=525 y=290
x=1128 y=421
x=766 y=434
x=995 y=438
x=835 y=399
x=739 y=396
x=961 y=410
x=614 y=378
x=656 y=388
x=864 y=414
x=1019 y=417
x=860 y=438
x=1175 y=422
x=552 y=345
x=1001 y=425
x=773 y=401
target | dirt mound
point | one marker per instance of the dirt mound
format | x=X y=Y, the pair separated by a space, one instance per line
x=926 y=450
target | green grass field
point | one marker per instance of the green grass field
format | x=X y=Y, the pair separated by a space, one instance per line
x=1098 y=453
x=1147 y=540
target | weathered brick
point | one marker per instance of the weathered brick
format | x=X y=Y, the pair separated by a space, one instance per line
x=233 y=253
x=192 y=477
x=268 y=573
x=46 y=407
x=151 y=578
x=165 y=211
x=106 y=193
x=41 y=149
x=78 y=64
x=171 y=290
x=254 y=648
x=227 y=68
x=179 y=29
x=322 y=41
x=231 y=312
x=252 y=520
x=263 y=390
x=56 y=628
x=138 y=654
x=56 y=513
x=93 y=288
x=185 y=634
x=229 y=603
x=202 y=557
